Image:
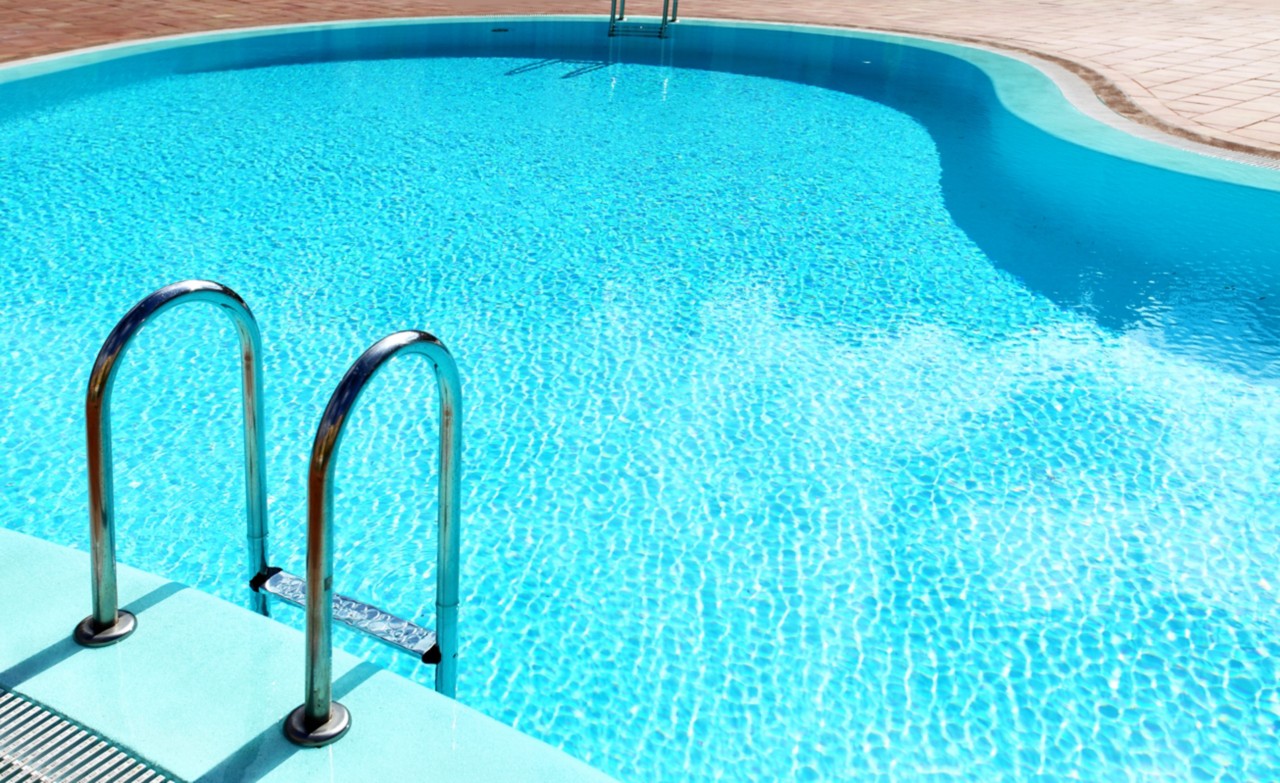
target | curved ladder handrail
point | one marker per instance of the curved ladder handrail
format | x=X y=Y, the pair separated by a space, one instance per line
x=320 y=720
x=108 y=624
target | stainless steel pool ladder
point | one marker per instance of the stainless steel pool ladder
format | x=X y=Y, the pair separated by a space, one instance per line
x=319 y=720
x=619 y=26
x=108 y=624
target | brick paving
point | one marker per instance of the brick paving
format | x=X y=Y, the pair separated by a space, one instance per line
x=1208 y=70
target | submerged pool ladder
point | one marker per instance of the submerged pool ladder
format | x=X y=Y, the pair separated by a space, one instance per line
x=319 y=720
x=619 y=26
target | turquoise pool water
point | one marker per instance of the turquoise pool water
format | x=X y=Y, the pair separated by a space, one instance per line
x=806 y=438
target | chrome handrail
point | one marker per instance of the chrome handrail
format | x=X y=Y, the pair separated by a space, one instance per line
x=108 y=624
x=320 y=720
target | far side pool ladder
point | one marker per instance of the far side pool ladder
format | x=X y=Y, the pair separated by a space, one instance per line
x=618 y=24
x=319 y=721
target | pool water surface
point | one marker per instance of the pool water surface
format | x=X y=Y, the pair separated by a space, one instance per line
x=771 y=471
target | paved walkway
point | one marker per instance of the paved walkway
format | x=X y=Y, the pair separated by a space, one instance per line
x=1204 y=69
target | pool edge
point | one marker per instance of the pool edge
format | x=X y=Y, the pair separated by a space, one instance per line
x=1062 y=103
x=200 y=689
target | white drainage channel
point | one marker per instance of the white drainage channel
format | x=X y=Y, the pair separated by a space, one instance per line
x=38 y=746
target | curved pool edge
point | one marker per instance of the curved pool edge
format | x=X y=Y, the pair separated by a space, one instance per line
x=1061 y=103
x=202 y=687
x=1097 y=95
x=1085 y=97
x=1031 y=87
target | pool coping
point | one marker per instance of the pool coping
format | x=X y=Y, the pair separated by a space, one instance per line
x=1086 y=87
x=1082 y=93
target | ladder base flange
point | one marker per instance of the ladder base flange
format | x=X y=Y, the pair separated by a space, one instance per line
x=295 y=727
x=88 y=634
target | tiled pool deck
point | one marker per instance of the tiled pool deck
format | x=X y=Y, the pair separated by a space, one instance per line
x=1208 y=70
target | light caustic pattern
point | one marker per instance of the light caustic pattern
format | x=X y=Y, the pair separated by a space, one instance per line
x=770 y=474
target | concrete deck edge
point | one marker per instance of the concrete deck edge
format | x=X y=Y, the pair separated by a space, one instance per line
x=202 y=687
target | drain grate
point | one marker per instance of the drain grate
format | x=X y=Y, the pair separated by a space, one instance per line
x=38 y=746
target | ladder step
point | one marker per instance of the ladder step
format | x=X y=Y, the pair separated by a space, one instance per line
x=638 y=29
x=370 y=620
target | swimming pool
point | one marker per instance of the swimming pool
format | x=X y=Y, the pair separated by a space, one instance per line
x=826 y=417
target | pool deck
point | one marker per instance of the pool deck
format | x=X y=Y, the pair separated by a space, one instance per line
x=1205 y=70
x=202 y=687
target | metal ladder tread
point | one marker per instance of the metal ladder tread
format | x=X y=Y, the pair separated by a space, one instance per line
x=357 y=615
x=638 y=30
